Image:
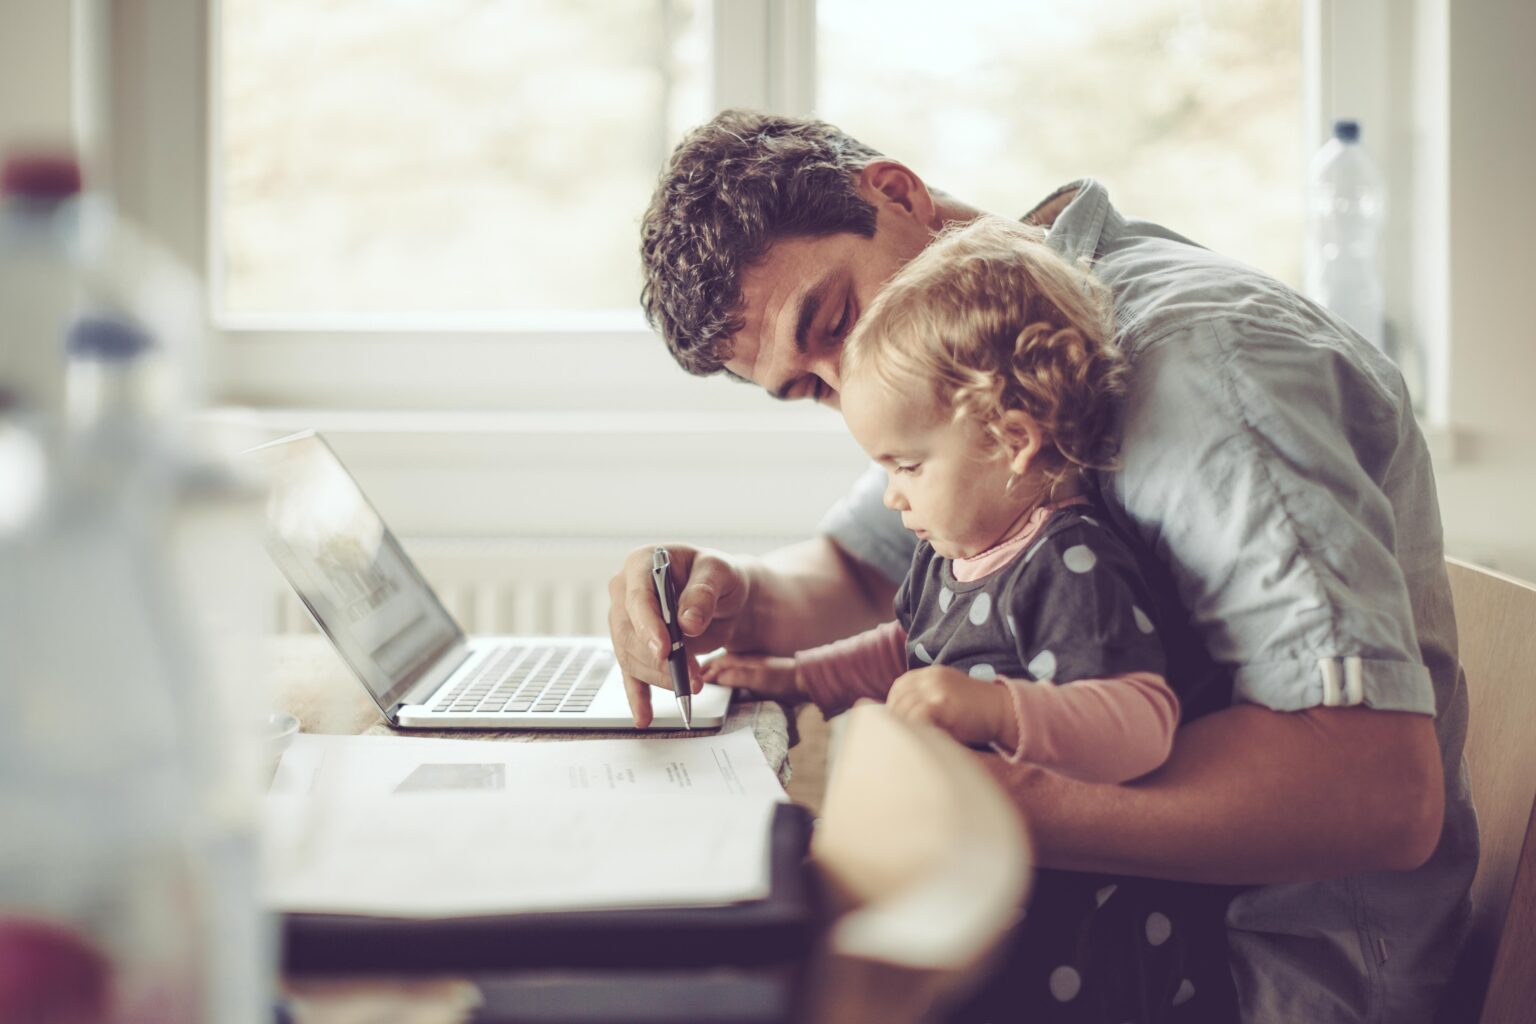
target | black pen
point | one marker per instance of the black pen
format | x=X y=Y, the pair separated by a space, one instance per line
x=677 y=655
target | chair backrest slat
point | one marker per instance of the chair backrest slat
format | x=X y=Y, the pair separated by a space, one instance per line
x=1496 y=628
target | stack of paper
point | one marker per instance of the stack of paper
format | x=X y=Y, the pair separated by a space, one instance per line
x=441 y=828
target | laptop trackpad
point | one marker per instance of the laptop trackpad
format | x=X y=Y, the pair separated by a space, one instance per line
x=709 y=705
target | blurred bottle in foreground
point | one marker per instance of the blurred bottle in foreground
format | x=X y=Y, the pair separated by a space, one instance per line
x=128 y=880
x=40 y=258
x=1346 y=211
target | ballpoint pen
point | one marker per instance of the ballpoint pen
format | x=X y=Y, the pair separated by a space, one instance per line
x=677 y=655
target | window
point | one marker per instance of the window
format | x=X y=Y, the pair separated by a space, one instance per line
x=361 y=256
x=459 y=157
x=486 y=411
x=1190 y=111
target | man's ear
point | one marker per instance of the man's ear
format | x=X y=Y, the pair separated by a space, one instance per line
x=886 y=181
x=1023 y=437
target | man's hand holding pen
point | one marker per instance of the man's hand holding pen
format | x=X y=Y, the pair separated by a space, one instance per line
x=710 y=601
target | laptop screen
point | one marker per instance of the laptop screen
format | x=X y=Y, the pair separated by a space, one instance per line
x=356 y=579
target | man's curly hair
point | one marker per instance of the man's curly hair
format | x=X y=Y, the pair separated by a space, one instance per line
x=731 y=189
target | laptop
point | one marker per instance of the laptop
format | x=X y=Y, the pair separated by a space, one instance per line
x=389 y=626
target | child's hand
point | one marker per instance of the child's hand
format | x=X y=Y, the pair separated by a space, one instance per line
x=769 y=677
x=973 y=711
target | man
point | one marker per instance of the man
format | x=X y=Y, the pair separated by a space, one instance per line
x=1271 y=465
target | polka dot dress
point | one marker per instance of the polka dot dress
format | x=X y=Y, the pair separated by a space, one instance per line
x=1132 y=950
x=1089 y=948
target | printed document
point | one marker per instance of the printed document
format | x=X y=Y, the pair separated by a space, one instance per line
x=439 y=828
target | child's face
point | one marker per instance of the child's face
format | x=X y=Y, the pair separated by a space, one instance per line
x=944 y=477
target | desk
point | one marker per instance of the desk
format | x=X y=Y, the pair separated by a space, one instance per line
x=309 y=681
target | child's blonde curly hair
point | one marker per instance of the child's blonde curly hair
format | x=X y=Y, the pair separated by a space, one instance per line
x=990 y=318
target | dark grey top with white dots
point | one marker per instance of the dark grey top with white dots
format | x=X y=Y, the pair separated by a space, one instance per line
x=1072 y=606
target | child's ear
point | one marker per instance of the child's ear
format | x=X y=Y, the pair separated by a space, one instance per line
x=1024 y=438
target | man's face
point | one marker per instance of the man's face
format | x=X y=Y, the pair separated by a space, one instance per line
x=805 y=295
x=944 y=476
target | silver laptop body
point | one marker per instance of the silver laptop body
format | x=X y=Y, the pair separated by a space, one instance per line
x=389 y=626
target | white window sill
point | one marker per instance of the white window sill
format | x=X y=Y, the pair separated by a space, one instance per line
x=759 y=474
x=790 y=419
x=763 y=473
x=710 y=427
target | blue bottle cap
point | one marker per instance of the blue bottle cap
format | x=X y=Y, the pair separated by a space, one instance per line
x=1346 y=130
x=108 y=339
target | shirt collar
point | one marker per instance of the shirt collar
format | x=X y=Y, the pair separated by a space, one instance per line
x=1083 y=226
x=968 y=570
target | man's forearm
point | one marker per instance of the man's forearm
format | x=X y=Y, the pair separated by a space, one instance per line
x=1251 y=796
x=809 y=594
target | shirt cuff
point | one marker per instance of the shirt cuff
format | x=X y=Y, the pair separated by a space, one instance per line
x=1013 y=686
x=1299 y=684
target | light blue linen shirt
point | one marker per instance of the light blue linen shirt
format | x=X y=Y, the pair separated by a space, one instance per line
x=1271 y=462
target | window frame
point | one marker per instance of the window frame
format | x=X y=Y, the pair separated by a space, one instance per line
x=761 y=55
x=164 y=69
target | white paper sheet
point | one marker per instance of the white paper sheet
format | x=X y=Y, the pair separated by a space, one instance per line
x=727 y=764
x=438 y=828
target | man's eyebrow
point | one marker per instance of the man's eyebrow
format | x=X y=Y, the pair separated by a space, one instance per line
x=810 y=304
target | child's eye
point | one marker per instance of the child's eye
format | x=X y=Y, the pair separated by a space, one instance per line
x=910 y=469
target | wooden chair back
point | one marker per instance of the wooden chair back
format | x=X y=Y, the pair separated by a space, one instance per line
x=1496 y=627
x=926 y=863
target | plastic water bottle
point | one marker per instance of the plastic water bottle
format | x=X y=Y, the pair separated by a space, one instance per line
x=40 y=273
x=127 y=850
x=97 y=888
x=64 y=252
x=1347 y=207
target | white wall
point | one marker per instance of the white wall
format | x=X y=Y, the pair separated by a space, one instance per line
x=1488 y=493
x=35 y=93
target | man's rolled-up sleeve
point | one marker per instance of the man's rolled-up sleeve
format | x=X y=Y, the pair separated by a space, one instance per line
x=1250 y=463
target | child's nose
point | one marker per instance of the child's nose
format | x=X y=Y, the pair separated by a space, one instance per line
x=893 y=498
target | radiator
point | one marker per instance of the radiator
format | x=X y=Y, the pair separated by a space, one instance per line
x=550 y=587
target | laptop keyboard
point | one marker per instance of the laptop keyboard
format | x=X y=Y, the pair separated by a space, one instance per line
x=532 y=678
